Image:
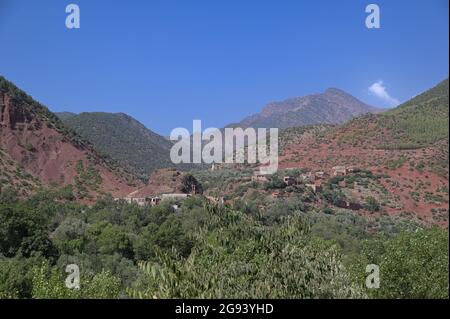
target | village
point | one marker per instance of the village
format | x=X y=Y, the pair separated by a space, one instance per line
x=152 y=196
x=313 y=180
x=152 y=200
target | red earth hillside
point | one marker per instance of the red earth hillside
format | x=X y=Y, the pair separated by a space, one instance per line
x=42 y=146
x=411 y=176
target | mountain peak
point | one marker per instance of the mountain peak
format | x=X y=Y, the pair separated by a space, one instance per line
x=333 y=90
x=334 y=106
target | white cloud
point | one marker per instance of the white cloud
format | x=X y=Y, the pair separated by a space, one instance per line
x=379 y=90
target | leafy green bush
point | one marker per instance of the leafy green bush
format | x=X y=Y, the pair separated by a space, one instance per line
x=49 y=283
x=372 y=205
x=412 y=265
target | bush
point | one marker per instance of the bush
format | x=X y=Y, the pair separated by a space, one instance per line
x=372 y=205
x=413 y=265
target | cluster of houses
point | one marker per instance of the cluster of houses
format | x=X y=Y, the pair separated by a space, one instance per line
x=342 y=170
x=152 y=200
x=313 y=180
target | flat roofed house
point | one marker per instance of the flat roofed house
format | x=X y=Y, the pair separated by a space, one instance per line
x=339 y=171
x=154 y=200
x=141 y=201
x=276 y=195
x=320 y=175
x=308 y=177
x=256 y=177
x=174 y=196
x=316 y=186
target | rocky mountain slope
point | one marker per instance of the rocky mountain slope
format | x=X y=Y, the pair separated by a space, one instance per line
x=35 y=142
x=331 y=107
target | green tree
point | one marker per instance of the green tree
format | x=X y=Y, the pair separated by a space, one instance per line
x=108 y=238
x=49 y=283
x=372 y=205
x=412 y=265
x=23 y=230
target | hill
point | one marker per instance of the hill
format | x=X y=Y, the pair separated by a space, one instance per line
x=65 y=115
x=124 y=139
x=334 y=106
x=407 y=148
x=34 y=141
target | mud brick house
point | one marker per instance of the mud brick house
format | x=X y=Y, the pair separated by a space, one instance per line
x=320 y=175
x=257 y=177
x=316 y=186
x=174 y=196
x=339 y=171
x=277 y=195
x=141 y=201
x=308 y=177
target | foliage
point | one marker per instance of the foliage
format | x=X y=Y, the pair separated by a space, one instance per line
x=287 y=250
x=123 y=139
x=412 y=265
x=23 y=231
x=275 y=182
x=16 y=276
x=419 y=122
x=191 y=185
x=372 y=204
x=238 y=258
x=49 y=283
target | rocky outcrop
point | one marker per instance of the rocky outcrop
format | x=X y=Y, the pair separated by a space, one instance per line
x=40 y=143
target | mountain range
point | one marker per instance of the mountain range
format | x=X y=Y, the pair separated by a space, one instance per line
x=141 y=150
x=334 y=106
x=97 y=153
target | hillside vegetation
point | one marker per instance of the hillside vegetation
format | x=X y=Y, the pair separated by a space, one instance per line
x=419 y=122
x=123 y=139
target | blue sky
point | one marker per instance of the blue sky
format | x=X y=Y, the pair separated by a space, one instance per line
x=169 y=62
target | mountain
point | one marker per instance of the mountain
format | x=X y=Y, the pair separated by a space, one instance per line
x=331 y=107
x=37 y=146
x=418 y=123
x=405 y=149
x=124 y=139
x=65 y=115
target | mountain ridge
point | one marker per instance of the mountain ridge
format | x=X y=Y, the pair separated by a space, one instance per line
x=333 y=106
x=40 y=144
x=124 y=139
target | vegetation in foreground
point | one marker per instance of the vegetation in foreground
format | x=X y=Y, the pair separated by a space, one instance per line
x=204 y=251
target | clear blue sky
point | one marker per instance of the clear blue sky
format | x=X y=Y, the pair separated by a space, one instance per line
x=169 y=62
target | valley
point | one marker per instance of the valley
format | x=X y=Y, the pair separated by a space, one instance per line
x=99 y=190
